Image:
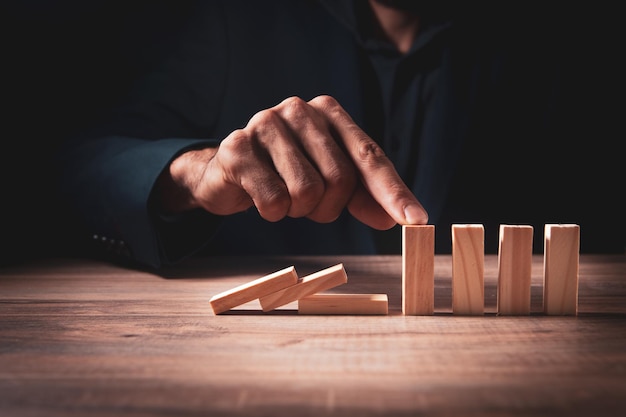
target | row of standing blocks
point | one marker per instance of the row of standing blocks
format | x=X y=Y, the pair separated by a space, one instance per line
x=515 y=251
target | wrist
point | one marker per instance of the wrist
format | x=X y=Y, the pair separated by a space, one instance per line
x=174 y=189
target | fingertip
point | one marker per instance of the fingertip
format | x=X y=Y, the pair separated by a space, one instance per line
x=415 y=214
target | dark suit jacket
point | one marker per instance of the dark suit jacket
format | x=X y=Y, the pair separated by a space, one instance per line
x=507 y=139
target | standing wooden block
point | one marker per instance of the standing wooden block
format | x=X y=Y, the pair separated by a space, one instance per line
x=252 y=290
x=514 y=269
x=418 y=270
x=560 y=269
x=311 y=284
x=468 y=268
x=357 y=304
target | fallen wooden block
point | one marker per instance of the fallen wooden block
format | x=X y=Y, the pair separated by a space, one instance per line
x=418 y=270
x=357 y=304
x=514 y=269
x=252 y=290
x=308 y=285
x=468 y=284
x=560 y=269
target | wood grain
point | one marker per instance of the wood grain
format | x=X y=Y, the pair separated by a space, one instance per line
x=468 y=266
x=89 y=339
x=322 y=280
x=418 y=265
x=355 y=304
x=514 y=269
x=560 y=269
x=252 y=290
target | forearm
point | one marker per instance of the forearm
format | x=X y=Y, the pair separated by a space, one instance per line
x=109 y=186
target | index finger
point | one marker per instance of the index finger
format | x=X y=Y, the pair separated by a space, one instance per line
x=376 y=171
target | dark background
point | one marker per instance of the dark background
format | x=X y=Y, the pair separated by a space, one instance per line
x=66 y=62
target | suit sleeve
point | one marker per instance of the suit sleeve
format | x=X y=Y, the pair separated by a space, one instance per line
x=107 y=173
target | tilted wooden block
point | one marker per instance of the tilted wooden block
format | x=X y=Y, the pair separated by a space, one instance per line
x=468 y=267
x=418 y=270
x=514 y=269
x=560 y=269
x=308 y=285
x=357 y=304
x=252 y=290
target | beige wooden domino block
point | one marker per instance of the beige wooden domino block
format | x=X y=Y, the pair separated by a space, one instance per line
x=514 y=269
x=560 y=269
x=252 y=290
x=468 y=267
x=357 y=304
x=308 y=285
x=418 y=270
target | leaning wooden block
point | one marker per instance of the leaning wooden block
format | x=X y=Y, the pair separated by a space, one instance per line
x=418 y=270
x=560 y=269
x=252 y=290
x=311 y=284
x=357 y=304
x=468 y=266
x=514 y=269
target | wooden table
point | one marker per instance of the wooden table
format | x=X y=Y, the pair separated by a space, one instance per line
x=86 y=338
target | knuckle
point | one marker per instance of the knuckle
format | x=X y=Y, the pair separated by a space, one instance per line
x=326 y=102
x=293 y=101
x=341 y=176
x=263 y=119
x=235 y=146
x=275 y=204
x=294 y=108
x=339 y=183
x=370 y=153
x=308 y=193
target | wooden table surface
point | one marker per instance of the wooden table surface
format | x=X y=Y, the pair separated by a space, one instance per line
x=87 y=338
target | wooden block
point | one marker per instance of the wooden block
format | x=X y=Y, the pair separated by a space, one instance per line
x=357 y=304
x=252 y=290
x=514 y=269
x=468 y=267
x=311 y=284
x=418 y=270
x=560 y=269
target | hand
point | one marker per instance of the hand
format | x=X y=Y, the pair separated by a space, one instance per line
x=297 y=159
